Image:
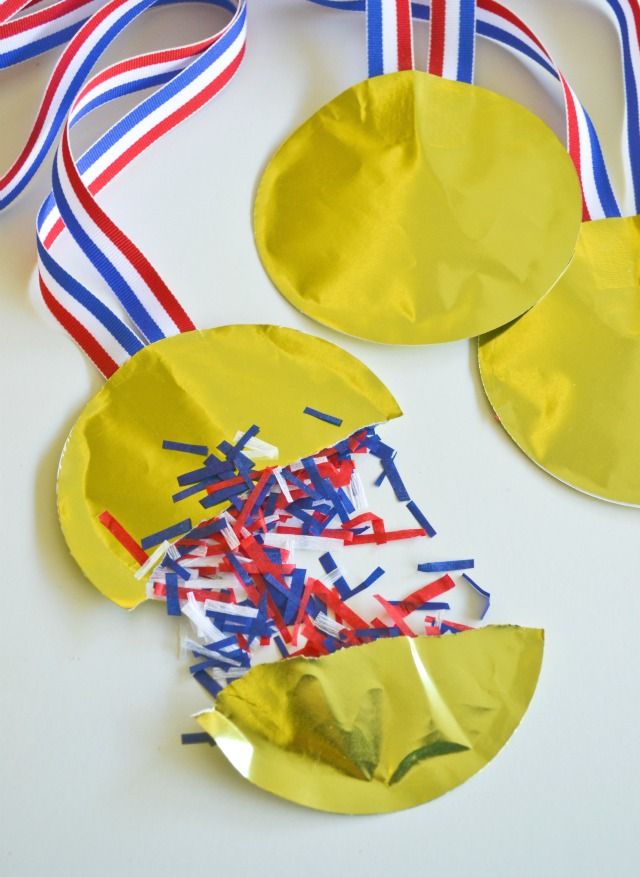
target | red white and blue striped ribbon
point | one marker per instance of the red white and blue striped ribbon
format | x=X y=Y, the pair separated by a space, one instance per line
x=129 y=305
x=497 y=23
x=626 y=15
x=452 y=38
x=598 y=198
x=37 y=32
x=389 y=36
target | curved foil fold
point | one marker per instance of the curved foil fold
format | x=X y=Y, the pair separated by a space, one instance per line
x=378 y=727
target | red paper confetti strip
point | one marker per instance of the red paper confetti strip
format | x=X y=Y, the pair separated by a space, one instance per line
x=124 y=538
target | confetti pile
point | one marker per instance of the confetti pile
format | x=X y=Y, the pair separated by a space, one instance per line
x=238 y=579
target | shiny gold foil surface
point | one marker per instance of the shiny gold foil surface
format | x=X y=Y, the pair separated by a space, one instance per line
x=413 y=209
x=382 y=726
x=564 y=379
x=199 y=387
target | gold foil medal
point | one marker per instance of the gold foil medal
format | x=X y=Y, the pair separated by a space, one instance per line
x=413 y=209
x=208 y=385
x=564 y=379
x=378 y=727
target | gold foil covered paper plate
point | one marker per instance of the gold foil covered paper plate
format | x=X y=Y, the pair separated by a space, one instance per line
x=564 y=379
x=378 y=727
x=413 y=209
x=206 y=385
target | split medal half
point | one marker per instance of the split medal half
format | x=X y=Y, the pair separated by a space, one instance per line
x=377 y=727
x=417 y=207
x=564 y=379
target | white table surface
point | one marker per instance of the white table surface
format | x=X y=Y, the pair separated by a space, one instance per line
x=93 y=780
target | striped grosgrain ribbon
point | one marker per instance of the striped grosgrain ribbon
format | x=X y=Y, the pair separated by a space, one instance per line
x=131 y=305
x=389 y=36
x=37 y=32
x=452 y=52
x=452 y=39
x=626 y=14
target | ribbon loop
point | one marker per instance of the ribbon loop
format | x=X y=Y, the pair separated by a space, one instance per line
x=452 y=39
x=626 y=16
x=35 y=33
x=129 y=305
x=389 y=36
x=499 y=24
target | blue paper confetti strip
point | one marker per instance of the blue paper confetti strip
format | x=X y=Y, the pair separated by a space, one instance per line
x=236 y=458
x=236 y=502
x=371 y=578
x=221 y=495
x=476 y=587
x=281 y=646
x=196 y=738
x=252 y=432
x=343 y=449
x=205 y=530
x=227 y=624
x=296 y=482
x=377 y=632
x=208 y=683
x=173 y=601
x=345 y=500
x=321 y=484
x=445 y=565
x=401 y=492
x=376 y=446
x=276 y=585
x=431 y=607
x=295 y=595
x=199 y=450
x=238 y=567
x=178 y=570
x=278 y=593
x=196 y=476
x=186 y=492
x=266 y=487
x=208 y=664
x=154 y=539
x=331 y=644
x=314 y=606
x=216 y=466
x=324 y=488
x=321 y=415
x=329 y=565
x=259 y=622
x=309 y=523
x=221 y=644
x=275 y=555
x=270 y=506
x=420 y=518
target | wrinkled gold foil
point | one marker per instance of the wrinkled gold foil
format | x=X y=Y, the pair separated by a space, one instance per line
x=198 y=387
x=413 y=209
x=378 y=727
x=565 y=378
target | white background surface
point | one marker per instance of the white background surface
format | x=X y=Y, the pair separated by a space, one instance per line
x=92 y=777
